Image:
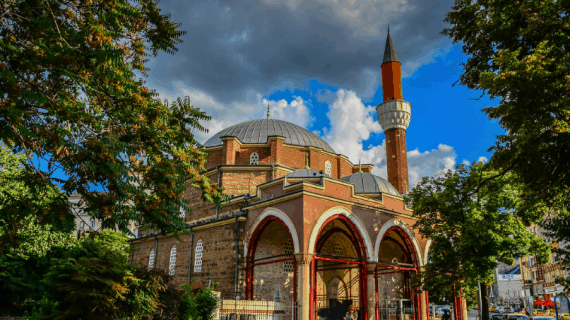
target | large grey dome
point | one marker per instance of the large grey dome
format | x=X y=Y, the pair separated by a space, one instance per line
x=365 y=182
x=257 y=131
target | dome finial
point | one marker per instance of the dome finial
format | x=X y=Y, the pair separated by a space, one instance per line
x=307 y=160
x=268 y=110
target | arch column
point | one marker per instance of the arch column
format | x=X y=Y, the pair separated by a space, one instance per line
x=423 y=305
x=304 y=261
x=371 y=289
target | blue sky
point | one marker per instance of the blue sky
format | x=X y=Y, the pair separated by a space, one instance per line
x=318 y=63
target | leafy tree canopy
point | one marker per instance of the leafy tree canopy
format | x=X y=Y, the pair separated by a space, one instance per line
x=472 y=226
x=22 y=205
x=70 y=96
x=518 y=52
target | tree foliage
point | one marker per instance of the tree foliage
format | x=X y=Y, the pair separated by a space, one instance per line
x=69 y=95
x=472 y=226
x=21 y=203
x=518 y=52
x=22 y=268
x=198 y=305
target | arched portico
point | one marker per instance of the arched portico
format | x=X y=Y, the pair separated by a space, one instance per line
x=398 y=257
x=358 y=224
x=272 y=212
x=270 y=259
x=410 y=235
x=339 y=250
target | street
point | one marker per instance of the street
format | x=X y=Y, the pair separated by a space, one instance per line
x=472 y=314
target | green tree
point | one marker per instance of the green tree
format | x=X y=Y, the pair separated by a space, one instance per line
x=19 y=201
x=94 y=280
x=70 y=94
x=22 y=268
x=518 y=52
x=472 y=226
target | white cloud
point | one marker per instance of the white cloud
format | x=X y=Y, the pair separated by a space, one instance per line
x=483 y=159
x=430 y=163
x=252 y=106
x=352 y=123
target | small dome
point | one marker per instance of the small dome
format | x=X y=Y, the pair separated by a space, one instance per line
x=365 y=182
x=307 y=173
x=257 y=131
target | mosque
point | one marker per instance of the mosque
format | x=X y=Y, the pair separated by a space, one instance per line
x=304 y=225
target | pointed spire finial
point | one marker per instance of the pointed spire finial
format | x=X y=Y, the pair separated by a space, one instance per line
x=268 y=110
x=389 y=52
x=359 y=166
x=307 y=160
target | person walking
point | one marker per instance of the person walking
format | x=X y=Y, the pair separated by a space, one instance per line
x=445 y=315
x=351 y=314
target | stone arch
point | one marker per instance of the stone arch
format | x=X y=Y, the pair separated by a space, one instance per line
x=281 y=216
x=403 y=226
x=352 y=217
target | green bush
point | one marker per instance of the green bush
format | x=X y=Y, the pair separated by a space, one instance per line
x=198 y=305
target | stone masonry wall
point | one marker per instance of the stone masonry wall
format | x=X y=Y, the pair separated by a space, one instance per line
x=218 y=256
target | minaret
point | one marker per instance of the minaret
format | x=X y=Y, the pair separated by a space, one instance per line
x=394 y=117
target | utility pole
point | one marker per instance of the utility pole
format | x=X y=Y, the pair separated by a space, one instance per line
x=523 y=285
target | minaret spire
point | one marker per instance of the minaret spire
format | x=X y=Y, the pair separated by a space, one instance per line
x=268 y=110
x=389 y=52
x=394 y=116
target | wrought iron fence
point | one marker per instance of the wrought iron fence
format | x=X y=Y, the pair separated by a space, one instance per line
x=257 y=310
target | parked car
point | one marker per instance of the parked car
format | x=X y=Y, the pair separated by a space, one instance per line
x=515 y=316
x=496 y=316
x=542 y=318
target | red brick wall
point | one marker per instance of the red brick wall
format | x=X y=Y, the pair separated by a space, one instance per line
x=397 y=159
x=214 y=159
x=241 y=182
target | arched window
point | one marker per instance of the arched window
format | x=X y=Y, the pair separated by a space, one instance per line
x=328 y=167
x=151 y=258
x=288 y=266
x=172 y=266
x=198 y=256
x=254 y=158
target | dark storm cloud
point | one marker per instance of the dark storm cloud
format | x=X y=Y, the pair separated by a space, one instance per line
x=236 y=45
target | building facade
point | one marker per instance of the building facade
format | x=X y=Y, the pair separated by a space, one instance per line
x=540 y=280
x=304 y=225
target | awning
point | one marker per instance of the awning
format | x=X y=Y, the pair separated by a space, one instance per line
x=538 y=302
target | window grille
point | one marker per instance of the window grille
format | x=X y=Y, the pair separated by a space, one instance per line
x=338 y=249
x=288 y=267
x=198 y=256
x=328 y=167
x=172 y=266
x=151 y=258
x=254 y=158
